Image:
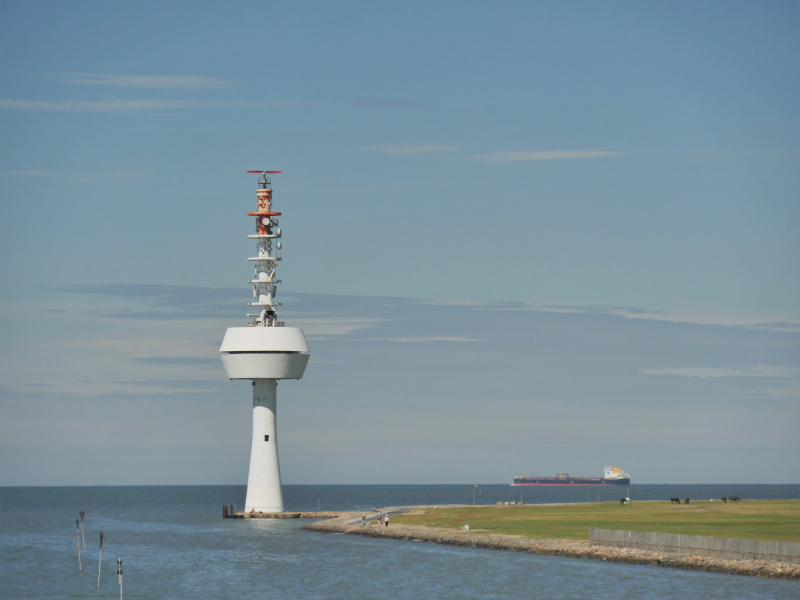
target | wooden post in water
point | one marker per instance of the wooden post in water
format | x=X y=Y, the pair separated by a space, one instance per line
x=119 y=572
x=83 y=537
x=78 y=543
x=100 y=562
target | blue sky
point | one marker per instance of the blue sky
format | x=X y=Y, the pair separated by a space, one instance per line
x=519 y=236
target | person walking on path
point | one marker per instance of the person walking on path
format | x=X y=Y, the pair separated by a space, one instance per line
x=363 y=520
x=386 y=520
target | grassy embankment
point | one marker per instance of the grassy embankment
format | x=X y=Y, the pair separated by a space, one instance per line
x=777 y=520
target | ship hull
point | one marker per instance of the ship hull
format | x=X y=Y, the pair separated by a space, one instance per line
x=572 y=481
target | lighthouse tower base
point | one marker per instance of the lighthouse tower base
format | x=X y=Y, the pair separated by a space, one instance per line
x=264 y=482
x=264 y=355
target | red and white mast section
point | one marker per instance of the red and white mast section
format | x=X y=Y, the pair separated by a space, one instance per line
x=264 y=351
x=266 y=263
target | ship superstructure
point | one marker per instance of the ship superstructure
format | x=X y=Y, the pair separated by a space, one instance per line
x=264 y=351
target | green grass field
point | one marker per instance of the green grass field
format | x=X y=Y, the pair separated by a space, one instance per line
x=777 y=520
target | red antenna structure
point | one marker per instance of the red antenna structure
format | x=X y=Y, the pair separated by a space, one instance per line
x=264 y=220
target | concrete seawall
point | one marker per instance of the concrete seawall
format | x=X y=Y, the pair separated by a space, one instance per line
x=732 y=548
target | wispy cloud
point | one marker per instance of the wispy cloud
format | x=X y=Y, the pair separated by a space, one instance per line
x=133 y=388
x=125 y=105
x=604 y=310
x=166 y=82
x=384 y=103
x=628 y=312
x=334 y=325
x=756 y=381
x=119 y=176
x=777 y=326
x=161 y=302
x=121 y=105
x=330 y=362
x=86 y=388
x=407 y=340
x=770 y=371
x=722 y=319
x=179 y=302
x=181 y=361
x=30 y=173
x=544 y=155
x=93 y=106
x=412 y=149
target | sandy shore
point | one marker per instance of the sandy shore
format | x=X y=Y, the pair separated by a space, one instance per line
x=349 y=523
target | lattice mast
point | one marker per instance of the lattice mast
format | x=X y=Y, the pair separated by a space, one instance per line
x=266 y=263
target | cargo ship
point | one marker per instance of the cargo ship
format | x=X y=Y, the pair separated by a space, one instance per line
x=612 y=476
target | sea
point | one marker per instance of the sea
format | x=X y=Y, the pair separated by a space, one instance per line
x=174 y=544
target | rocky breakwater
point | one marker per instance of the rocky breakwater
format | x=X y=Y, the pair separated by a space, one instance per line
x=350 y=523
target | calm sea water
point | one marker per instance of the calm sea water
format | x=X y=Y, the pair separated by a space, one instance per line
x=175 y=545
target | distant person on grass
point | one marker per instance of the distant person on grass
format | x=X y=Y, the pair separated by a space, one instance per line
x=363 y=520
x=386 y=520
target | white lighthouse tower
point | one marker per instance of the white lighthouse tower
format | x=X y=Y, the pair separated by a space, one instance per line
x=264 y=351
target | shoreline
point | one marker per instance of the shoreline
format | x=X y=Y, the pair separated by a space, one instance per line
x=350 y=523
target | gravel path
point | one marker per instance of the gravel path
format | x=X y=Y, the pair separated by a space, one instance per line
x=350 y=523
